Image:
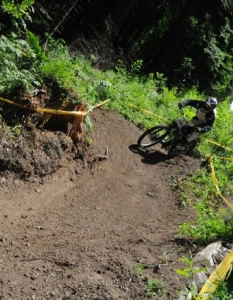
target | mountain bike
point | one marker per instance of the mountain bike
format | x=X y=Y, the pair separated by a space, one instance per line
x=173 y=135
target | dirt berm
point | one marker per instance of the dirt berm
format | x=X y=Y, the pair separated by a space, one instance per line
x=80 y=226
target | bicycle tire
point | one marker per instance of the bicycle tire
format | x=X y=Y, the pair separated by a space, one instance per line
x=153 y=136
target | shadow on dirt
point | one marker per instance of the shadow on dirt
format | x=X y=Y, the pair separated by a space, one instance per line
x=149 y=156
x=154 y=156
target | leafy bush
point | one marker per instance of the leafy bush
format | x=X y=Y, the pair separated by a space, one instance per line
x=210 y=225
x=17 y=66
x=18 y=12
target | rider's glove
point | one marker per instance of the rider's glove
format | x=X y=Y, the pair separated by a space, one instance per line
x=180 y=105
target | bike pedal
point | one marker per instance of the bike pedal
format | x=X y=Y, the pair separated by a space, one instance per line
x=180 y=148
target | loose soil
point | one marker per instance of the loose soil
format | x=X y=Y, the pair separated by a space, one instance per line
x=79 y=224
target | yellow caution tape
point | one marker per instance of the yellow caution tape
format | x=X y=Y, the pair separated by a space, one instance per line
x=60 y=112
x=98 y=105
x=229 y=204
x=216 y=143
x=54 y=111
x=13 y=103
x=218 y=275
x=149 y=112
x=220 y=272
x=45 y=110
x=81 y=113
x=226 y=158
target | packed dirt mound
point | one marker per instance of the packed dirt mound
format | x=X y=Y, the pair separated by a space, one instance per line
x=35 y=153
x=83 y=225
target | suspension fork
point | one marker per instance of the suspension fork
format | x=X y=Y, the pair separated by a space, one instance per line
x=174 y=131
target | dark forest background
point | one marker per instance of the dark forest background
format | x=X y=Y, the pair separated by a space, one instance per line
x=190 y=42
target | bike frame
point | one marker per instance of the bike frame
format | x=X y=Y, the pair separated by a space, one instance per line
x=178 y=134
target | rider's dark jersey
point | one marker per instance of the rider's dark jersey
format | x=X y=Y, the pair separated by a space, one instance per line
x=203 y=119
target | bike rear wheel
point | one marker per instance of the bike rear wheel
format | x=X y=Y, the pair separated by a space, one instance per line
x=153 y=136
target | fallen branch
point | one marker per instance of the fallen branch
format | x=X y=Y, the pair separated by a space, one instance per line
x=102 y=157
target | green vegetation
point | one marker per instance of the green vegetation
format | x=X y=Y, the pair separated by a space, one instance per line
x=25 y=66
x=146 y=101
x=139 y=268
x=189 y=272
x=222 y=292
x=155 y=288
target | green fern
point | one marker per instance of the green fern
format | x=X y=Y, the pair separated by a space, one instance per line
x=34 y=43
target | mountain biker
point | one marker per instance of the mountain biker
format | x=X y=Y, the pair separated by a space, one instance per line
x=204 y=118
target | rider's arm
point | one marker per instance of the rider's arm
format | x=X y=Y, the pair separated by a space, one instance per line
x=210 y=118
x=194 y=103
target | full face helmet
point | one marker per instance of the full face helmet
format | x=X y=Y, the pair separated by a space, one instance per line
x=210 y=103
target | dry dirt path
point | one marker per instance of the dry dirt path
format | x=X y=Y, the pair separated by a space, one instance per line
x=81 y=232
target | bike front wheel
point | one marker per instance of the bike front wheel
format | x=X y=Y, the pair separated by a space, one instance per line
x=153 y=136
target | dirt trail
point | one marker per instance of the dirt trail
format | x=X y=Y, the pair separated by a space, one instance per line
x=81 y=232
